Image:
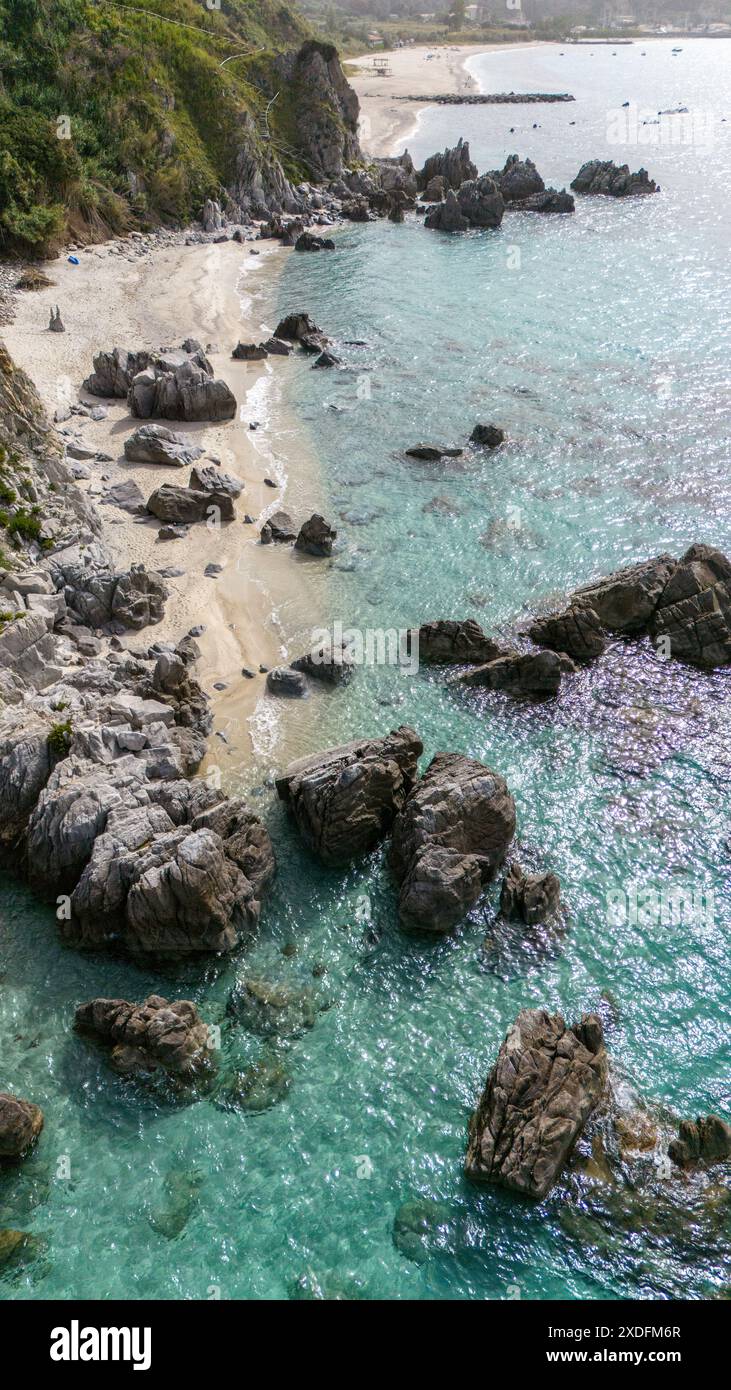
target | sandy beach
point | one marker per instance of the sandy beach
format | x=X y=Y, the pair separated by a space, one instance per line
x=386 y=125
x=213 y=292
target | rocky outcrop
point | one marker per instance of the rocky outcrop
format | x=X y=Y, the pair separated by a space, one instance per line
x=577 y=631
x=285 y=681
x=478 y=203
x=488 y=436
x=448 y=642
x=532 y=898
x=684 y=605
x=159 y=445
x=332 y=663
x=705 y=1140
x=307 y=241
x=449 y=840
x=429 y=453
x=299 y=328
x=326 y=126
x=605 y=177
x=103 y=597
x=345 y=800
x=316 y=536
x=278 y=527
x=188 y=392
x=518 y=179
x=149 y=1037
x=20 y=1124
x=547 y=1081
x=534 y=675
x=453 y=166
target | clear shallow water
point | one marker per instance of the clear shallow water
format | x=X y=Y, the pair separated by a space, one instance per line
x=605 y=355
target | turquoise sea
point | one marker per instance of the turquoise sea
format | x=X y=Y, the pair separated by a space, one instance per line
x=600 y=342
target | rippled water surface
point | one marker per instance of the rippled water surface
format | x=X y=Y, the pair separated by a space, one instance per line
x=601 y=344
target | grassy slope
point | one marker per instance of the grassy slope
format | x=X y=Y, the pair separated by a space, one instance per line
x=154 y=119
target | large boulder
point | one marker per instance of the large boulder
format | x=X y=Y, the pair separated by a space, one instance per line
x=705 y=1140
x=20 y=1124
x=533 y=675
x=296 y=327
x=577 y=631
x=693 y=613
x=180 y=392
x=153 y=1036
x=447 y=641
x=449 y=840
x=331 y=663
x=532 y=898
x=605 y=177
x=159 y=445
x=316 y=536
x=546 y=1082
x=626 y=600
x=518 y=179
x=478 y=203
x=344 y=800
x=549 y=201
x=211 y=479
x=452 y=166
x=186 y=505
x=99 y=596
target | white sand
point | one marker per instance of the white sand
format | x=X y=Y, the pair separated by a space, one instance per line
x=172 y=293
x=386 y=125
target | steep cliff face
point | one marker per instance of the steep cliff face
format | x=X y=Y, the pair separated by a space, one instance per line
x=324 y=108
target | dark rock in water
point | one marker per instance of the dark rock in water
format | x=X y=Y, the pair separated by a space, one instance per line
x=153 y=1036
x=626 y=600
x=577 y=631
x=479 y=203
x=536 y=675
x=344 y=800
x=491 y=436
x=295 y=327
x=705 y=1140
x=157 y=444
x=272 y=1009
x=283 y=680
x=278 y=527
x=550 y=201
x=356 y=209
x=256 y=1088
x=613 y=181
x=330 y=663
x=316 y=536
x=446 y=641
x=326 y=359
x=307 y=241
x=449 y=840
x=537 y=1099
x=424 y=1227
x=518 y=179
x=277 y=347
x=693 y=613
x=453 y=167
x=250 y=352
x=20 y=1124
x=430 y=452
x=534 y=898
x=186 y=505
x=181 y=1200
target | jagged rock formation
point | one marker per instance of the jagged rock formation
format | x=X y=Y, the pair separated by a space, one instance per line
x=577 y=631
x=535 y=675
x=533 y=898
x=453 y=166
x=20 y=1124
x=331 y=663
x=170 y=385
x=705 y=1140
x=449 y=840
x=478 y=203
x=149 y=1037
x=546 y=1082
x=524 y=190
x=114 y=372
x=605 y=177
x=345 y=800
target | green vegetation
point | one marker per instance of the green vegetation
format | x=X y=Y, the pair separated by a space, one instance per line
x=112 y=116
x=59 y=738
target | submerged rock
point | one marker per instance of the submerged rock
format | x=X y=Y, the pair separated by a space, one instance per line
x=19 y=1250
x=272 y=1009
x=20 y=1124
x=430 y=452
x=449 y=840
x=255 y=1089
x=328 y=1288
x=182 y=1196
x=424 y=1227
x=547 y=1081
x=344 y=800
x=153 y=1036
